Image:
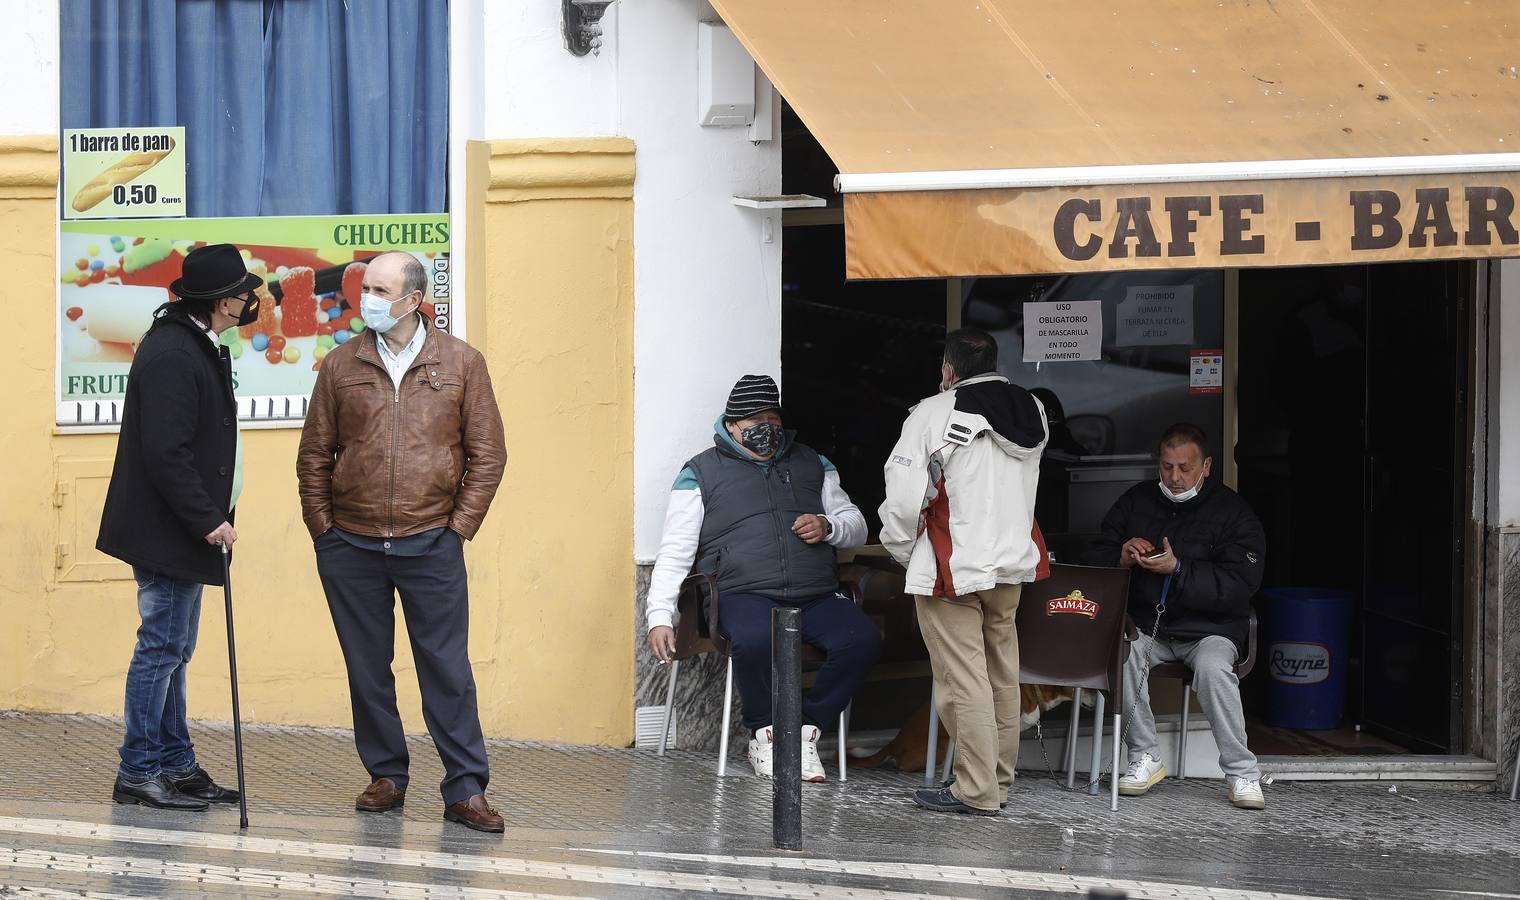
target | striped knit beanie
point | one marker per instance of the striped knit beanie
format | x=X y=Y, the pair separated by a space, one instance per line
x=752 y=395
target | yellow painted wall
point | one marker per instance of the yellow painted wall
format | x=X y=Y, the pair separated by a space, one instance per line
x=551 y=573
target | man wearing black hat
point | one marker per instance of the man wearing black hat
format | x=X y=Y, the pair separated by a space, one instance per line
x=176 y=480
x=763 y=514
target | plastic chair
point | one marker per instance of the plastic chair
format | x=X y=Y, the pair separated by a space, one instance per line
x=1182 y=672
x=697 y=632
x=1073 y=632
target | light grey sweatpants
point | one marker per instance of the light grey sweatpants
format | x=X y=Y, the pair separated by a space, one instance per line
x=1212 y=660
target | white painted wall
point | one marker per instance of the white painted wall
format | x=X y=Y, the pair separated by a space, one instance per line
x=533 y=86
x=707 y=290
x=1508 y=456
x=29 y=67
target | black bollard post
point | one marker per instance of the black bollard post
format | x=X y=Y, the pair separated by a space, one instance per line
x=1100 y=893
x=786 y=725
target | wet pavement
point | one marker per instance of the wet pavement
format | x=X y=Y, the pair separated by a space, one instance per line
x=591 y=822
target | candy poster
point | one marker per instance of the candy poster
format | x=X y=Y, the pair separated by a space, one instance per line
x=118 y=173
x=115 y=273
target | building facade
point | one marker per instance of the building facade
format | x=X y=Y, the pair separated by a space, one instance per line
x=600 y=260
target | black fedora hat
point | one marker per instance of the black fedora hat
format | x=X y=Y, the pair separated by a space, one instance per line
x=213 y=272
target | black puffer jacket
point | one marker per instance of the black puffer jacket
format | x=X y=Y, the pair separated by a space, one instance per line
x=172 y=482
x=1221 y=546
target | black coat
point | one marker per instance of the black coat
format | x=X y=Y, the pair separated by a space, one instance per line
x=1222 y=548
x=172 y=482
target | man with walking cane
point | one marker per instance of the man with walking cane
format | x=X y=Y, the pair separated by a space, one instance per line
x=168 y=514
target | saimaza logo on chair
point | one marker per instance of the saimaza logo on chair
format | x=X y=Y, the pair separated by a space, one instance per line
x=1073 y=603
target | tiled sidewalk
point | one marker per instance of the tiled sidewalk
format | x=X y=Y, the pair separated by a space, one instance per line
x=583 y=810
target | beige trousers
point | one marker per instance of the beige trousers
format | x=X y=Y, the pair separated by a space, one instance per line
x=974 y=650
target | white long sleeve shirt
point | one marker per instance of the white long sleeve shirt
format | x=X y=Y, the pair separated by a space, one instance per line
x=683 y=530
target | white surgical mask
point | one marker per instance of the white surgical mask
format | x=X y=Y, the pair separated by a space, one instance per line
x=1183 y=497
x=376 y=312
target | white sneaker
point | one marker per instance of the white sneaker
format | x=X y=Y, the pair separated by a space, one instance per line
x=762 y=747
x=1143 y=774
x=1246 y=793
x=812 y=766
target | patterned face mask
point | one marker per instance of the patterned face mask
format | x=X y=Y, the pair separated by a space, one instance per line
x=763 y=439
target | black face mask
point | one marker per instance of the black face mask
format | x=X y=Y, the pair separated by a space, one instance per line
x=763 y=439
x=250 y=313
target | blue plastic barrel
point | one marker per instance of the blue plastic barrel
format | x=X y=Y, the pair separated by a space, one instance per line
x=1308 y=650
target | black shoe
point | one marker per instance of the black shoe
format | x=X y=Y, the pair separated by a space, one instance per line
x=158 y=793
x=946 y=784
x=199 y=785
x=941 y=800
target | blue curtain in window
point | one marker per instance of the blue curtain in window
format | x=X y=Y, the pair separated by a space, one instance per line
x=290 y=107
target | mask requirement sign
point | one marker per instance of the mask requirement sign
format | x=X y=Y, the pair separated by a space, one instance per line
x=1063 y=331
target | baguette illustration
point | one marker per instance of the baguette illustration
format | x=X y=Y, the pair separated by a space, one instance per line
x=120 y=172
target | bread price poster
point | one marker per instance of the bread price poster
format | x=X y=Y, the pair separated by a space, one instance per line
x=120 y=173
x=115 y=273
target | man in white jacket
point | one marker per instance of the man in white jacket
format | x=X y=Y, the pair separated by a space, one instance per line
x=763 y=514
x=959 y=515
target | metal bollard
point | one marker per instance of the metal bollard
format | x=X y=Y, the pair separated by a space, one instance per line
x=1106 y=894
x=786 y=725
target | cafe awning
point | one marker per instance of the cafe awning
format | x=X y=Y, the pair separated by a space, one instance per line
x=1011 y=136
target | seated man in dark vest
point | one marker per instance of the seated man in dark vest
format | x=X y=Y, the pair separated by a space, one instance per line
x=763 y=513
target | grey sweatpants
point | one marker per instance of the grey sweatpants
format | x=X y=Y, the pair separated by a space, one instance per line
x=1212 y=660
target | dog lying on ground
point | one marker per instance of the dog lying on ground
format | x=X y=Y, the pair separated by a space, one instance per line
x=909 y=749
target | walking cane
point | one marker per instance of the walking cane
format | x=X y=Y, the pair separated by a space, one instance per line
x=237 y=719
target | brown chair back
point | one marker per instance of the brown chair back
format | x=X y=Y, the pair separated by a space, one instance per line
x=696 y=618
x=1073 y=628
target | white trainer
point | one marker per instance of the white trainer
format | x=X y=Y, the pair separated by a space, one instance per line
x=1246 y=793
x=812 y=766
x=1144 y=773
x=762 y=747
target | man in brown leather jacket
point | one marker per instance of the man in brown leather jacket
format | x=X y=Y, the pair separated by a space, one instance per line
x=400 y=456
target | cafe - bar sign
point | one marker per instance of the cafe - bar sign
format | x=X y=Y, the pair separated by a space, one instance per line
x=1217 y=224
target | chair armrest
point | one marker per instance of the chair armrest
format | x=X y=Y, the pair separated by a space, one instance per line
x=851 y=589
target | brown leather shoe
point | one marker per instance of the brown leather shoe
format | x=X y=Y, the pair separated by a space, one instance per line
x=381 y=796
x=476 y=813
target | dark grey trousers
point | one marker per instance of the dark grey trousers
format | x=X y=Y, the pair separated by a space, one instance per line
x=361 y=588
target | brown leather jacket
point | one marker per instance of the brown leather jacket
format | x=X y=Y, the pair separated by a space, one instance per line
x=381 y=461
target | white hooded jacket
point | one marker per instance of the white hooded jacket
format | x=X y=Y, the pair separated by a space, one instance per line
x=961 y=483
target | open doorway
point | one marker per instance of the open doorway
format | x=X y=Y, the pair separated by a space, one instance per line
x=1352 y=443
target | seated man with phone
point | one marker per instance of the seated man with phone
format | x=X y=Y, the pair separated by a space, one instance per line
x=1198 y=543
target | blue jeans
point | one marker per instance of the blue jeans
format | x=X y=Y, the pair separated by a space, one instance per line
x=158 y=738
x=831 y=622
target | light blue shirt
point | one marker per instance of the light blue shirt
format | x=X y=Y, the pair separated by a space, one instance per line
x=397 y=364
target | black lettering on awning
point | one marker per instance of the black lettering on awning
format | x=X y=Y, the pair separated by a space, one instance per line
x=1489 y=206
x=1375 y=224
x=1066 y=225
x=1433 y=210
x=1236 y=225
x=1134 y=222
x=1184 y=226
